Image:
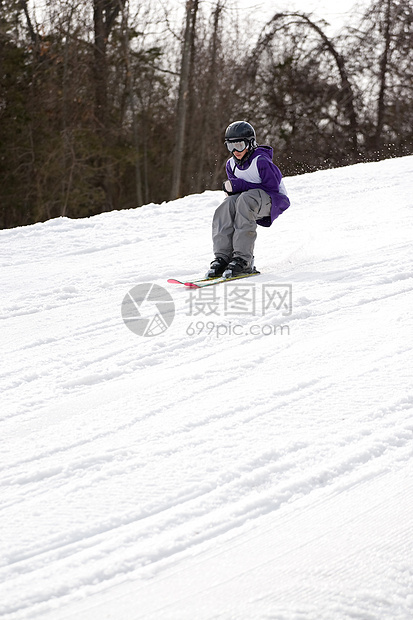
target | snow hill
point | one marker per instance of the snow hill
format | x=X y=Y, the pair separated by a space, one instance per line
x=253 y=459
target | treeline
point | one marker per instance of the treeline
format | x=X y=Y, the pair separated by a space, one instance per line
x=105 y=104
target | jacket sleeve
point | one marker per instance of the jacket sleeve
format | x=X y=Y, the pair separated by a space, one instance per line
x=270 y=178
x=231 y=176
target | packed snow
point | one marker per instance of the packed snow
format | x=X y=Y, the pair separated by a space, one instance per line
x=248 y=457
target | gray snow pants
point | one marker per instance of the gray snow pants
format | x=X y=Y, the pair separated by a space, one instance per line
x=234 y=226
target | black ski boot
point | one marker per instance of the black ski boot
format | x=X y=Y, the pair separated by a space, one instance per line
x=217 y=267
x=237 y=267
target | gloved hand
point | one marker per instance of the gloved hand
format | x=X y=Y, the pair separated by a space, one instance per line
x=227 y=187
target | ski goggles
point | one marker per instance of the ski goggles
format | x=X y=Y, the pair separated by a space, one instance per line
x=239 y=145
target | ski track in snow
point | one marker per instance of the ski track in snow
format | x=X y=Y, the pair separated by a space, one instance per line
x=203 y=474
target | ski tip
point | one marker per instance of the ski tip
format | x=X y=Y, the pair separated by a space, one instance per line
x=190 y=284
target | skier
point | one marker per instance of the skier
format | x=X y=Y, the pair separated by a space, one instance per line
x=255 y=195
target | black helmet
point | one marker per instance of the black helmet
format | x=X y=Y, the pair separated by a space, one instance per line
x=241 y=130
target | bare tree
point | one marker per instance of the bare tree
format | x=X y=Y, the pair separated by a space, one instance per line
x=131 y=98
x=187 y=56
x=346 y=97
x=383 y=69
x=105 y=13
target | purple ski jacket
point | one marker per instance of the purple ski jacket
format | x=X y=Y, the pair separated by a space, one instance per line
x=259 y=172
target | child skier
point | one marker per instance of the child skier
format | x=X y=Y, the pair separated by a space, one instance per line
x=255 y=195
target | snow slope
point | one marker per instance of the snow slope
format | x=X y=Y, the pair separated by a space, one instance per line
x=252 y=461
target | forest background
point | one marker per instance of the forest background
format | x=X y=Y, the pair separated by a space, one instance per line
x=111 y=104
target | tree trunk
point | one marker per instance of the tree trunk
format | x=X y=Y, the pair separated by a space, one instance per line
x=191 y=12
x=383 y=74
x=130 y=96
x=105 y=13
x=210 y=110
x=99 y=66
